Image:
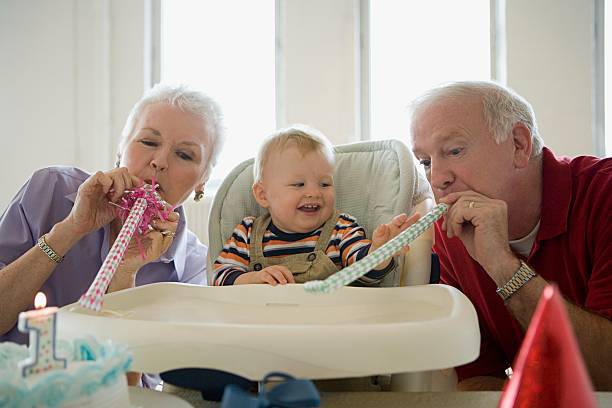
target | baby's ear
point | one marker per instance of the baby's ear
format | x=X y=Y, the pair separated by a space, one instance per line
x=259 y=193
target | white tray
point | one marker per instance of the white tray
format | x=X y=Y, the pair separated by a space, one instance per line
x=251 y=330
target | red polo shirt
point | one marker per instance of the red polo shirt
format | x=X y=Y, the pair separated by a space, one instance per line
x=573 y=248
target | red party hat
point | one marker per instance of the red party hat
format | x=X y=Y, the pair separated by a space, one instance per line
x=549 y=370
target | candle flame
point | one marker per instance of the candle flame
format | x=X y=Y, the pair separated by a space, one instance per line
x=40 y=300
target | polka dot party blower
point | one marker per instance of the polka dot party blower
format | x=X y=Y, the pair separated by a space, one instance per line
x=138 y=208
x=363 y=266
x=92 y=299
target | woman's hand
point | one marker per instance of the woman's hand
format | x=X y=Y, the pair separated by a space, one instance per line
x=153 y=244
x=91 y=209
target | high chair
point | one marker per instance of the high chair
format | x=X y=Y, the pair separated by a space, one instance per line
x=397 y=338
x=374 y=181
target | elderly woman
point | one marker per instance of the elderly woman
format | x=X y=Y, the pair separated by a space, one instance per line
x=57 y=231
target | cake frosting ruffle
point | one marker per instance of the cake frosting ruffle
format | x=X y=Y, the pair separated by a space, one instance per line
x=92 y=367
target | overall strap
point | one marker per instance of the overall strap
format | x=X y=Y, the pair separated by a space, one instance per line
x=326 y=232
x=260 y=224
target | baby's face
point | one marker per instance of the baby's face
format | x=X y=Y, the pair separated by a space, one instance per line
x=297 y=189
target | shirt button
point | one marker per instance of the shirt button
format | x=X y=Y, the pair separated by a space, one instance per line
x=257 y=267
x=311 y=257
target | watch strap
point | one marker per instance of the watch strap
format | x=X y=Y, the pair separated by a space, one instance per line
x=523 y=275
x=54 y=256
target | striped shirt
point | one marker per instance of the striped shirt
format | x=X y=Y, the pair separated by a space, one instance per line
x=347 y=244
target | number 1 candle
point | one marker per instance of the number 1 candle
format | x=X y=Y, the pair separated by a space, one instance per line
x=41 y=324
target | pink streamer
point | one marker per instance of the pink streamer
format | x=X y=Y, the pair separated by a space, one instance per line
x=155 y=209
x=155 y=206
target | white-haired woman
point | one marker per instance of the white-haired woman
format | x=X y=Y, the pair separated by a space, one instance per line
x=58 y=229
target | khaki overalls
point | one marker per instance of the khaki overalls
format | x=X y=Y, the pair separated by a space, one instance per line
x=305 y=267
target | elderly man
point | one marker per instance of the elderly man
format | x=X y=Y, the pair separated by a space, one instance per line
x=519 y=218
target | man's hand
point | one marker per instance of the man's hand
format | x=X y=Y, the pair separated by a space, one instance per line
x=481 y=223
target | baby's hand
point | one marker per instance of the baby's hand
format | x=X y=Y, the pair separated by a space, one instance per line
x=385 y=232
x=272 y=275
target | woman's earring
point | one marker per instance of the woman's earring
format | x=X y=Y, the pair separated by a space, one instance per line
x=118 y=162
x=199 y=195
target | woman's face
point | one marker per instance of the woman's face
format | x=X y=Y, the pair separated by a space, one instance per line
x=171 y=146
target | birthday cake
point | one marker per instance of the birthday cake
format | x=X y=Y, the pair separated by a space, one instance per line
x=94 y=377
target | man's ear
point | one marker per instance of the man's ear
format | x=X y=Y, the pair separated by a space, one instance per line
x=523 y=145
x=259 y=193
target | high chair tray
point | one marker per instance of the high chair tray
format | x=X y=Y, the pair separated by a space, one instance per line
x=251 y=330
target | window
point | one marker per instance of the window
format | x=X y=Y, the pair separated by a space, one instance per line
x=227 y=50
x=415 y=45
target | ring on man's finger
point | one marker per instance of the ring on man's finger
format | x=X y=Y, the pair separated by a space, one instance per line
x=471 y=204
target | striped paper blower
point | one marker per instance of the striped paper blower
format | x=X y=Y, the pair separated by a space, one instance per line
x=92 y=299
x=363 y=266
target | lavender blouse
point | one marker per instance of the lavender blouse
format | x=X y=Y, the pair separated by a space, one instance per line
x=47 y=198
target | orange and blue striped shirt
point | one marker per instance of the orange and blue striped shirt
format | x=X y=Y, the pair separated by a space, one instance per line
x=347 y=244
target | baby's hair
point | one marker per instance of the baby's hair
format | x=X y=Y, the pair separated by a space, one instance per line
x=305 y=138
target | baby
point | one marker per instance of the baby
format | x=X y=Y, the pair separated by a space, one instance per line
x=303 y=237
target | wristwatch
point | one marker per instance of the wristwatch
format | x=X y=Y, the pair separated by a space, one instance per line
x=54 y=256
x=520 y=277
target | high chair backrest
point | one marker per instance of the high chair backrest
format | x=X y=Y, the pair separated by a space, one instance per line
x=374 y=181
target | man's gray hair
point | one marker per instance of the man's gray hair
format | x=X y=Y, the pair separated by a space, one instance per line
x=187 y=100
x=305 y=138
x=502 y=108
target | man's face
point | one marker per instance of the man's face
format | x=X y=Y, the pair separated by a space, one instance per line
x=453 y=143
x=297 y=189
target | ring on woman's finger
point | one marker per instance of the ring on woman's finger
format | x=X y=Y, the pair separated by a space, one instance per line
x=168 y=233
x=471 y=204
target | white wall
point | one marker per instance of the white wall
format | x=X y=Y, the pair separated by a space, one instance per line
x=71 y=70
x=550 y=62
x=548 y=53
x=318 y=53
x=38 y=97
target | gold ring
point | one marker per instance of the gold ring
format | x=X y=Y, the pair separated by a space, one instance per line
x=471 y=204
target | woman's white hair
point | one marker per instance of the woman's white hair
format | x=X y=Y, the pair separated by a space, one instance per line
x=187 y=100
x=502 y=108
x=306 y=138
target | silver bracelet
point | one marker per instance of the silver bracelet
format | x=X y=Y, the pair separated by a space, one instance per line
x=54 y=256
x=520 y=277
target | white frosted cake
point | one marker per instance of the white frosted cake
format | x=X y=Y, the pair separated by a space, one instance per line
x=95 y=377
